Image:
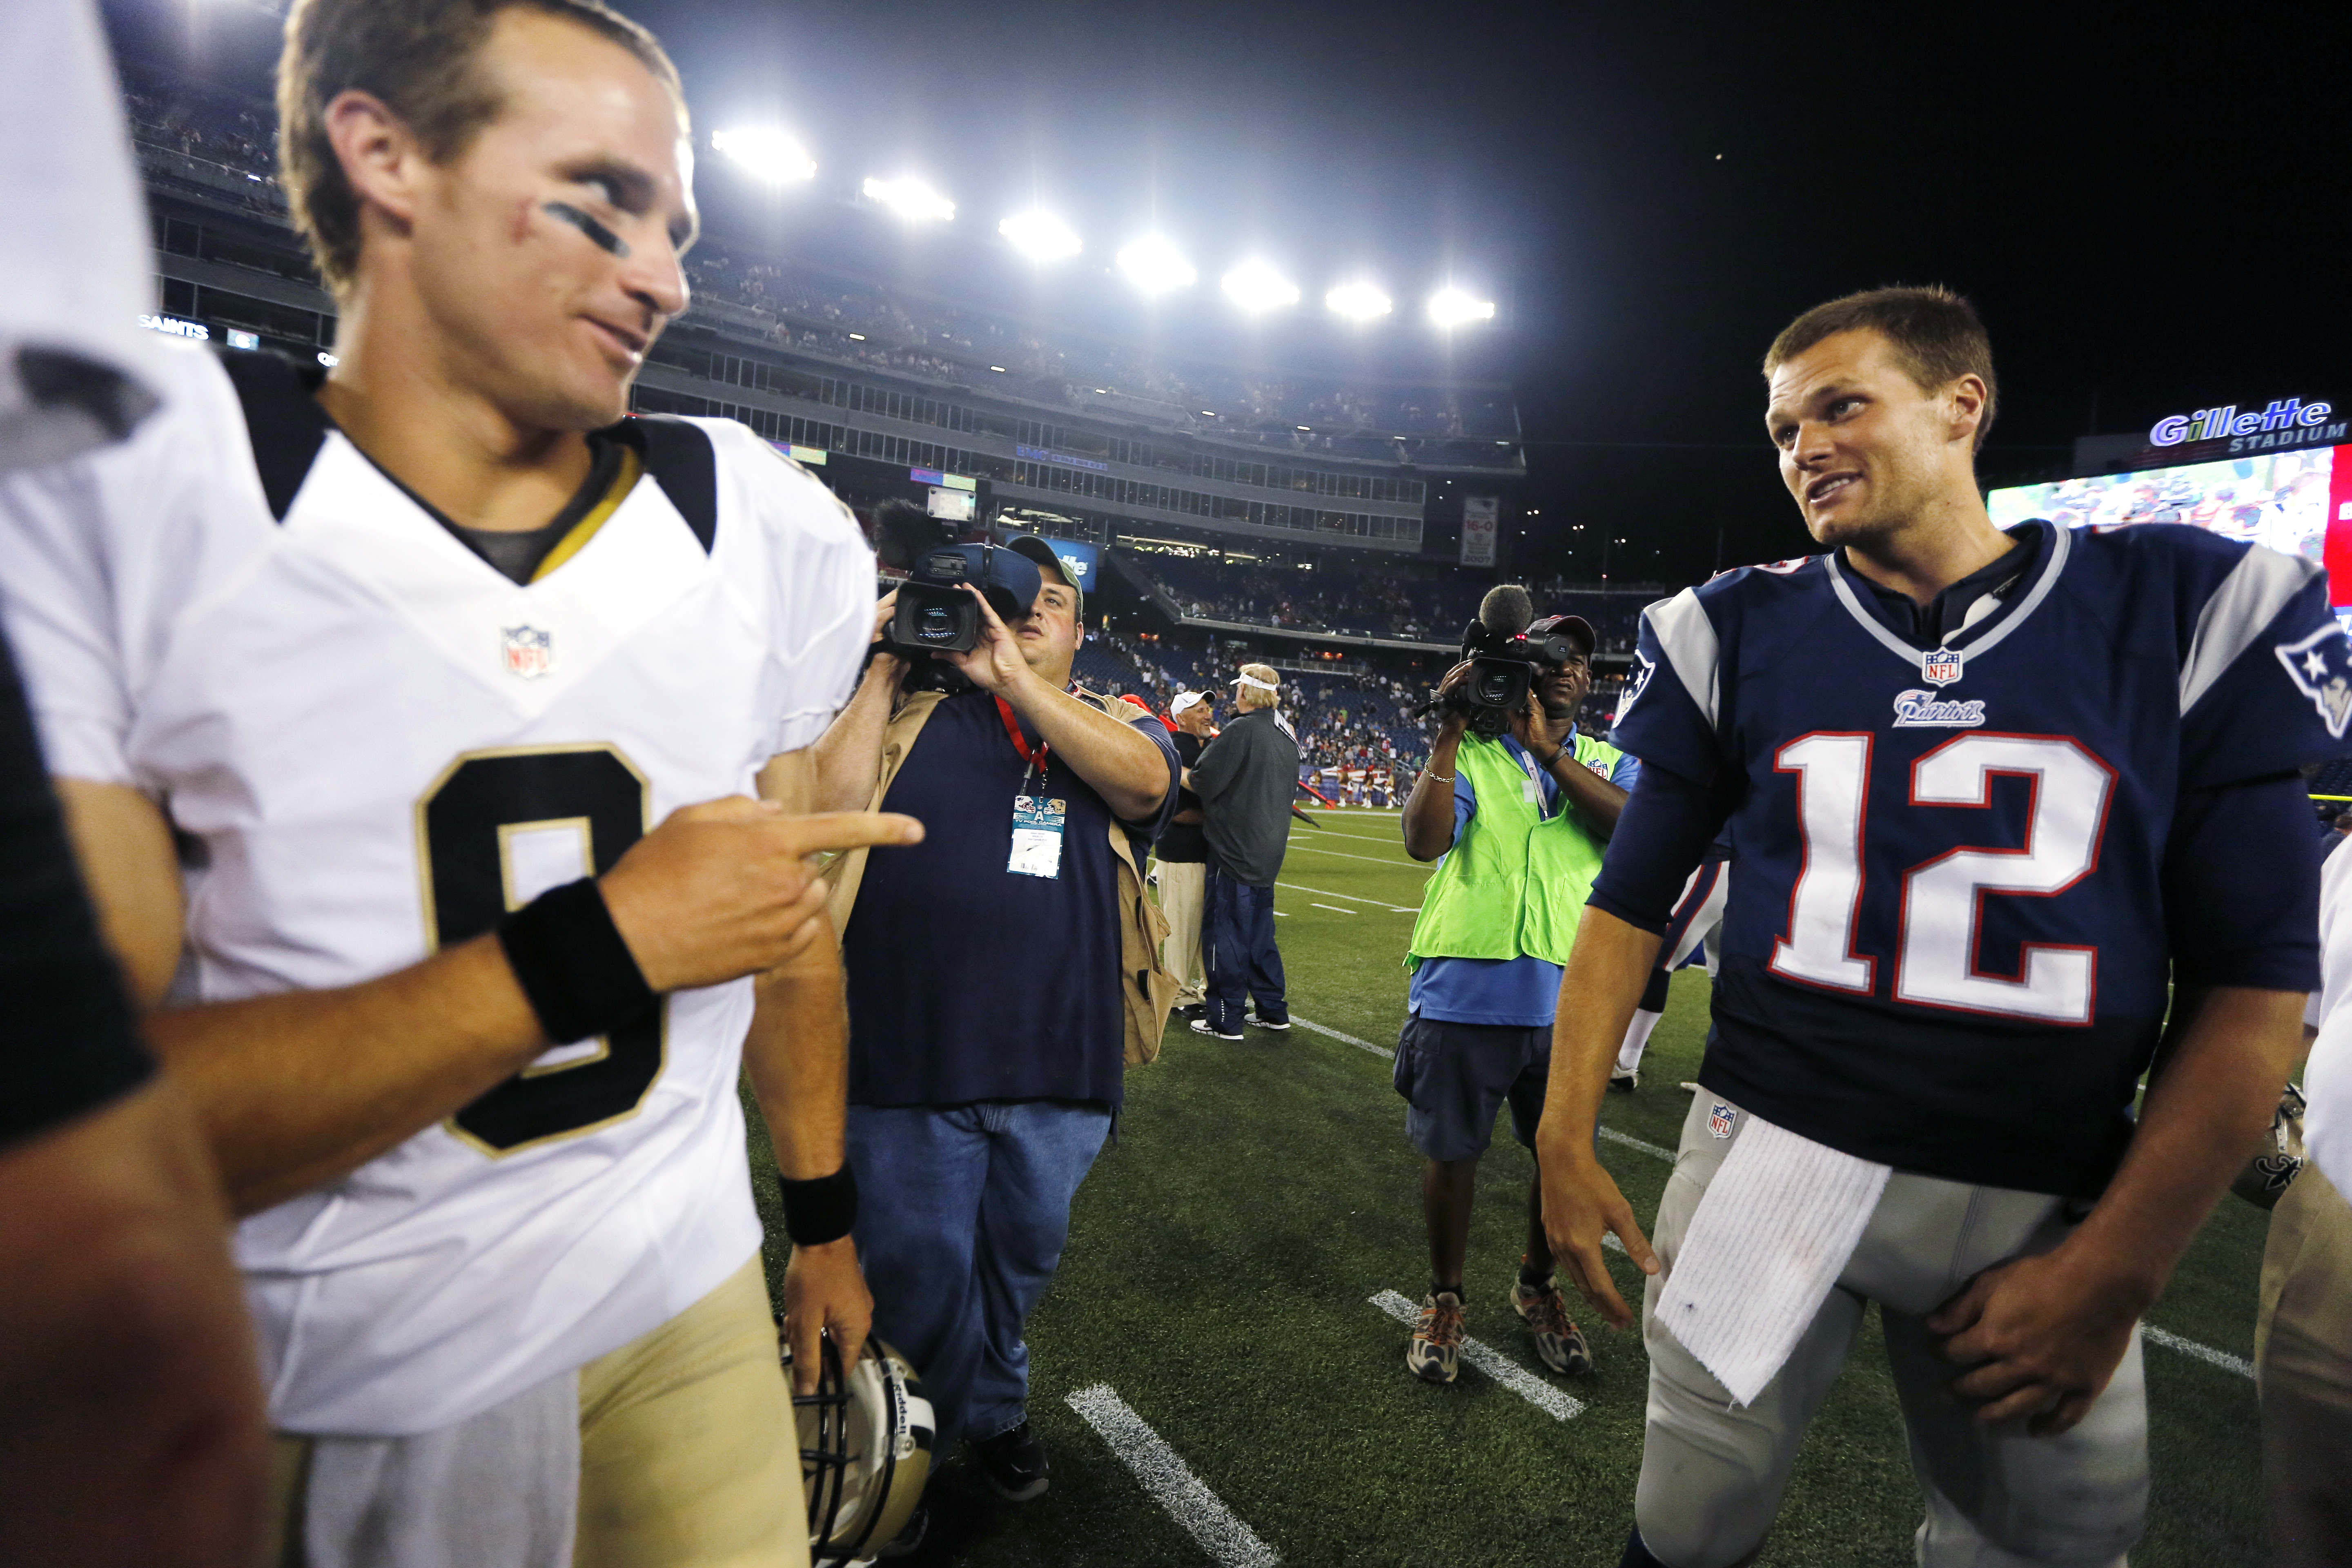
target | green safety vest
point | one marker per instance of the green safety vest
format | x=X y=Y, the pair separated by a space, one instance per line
x=1515 y=881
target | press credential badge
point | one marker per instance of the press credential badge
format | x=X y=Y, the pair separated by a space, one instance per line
x=1036 y=836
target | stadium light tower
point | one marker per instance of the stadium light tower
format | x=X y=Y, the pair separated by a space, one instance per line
x=766 y=154
x=1450 y=307
x=1155 y=266
x=1359 y=302
x=1254 y=286
x=1040 y=236
x=910 y=199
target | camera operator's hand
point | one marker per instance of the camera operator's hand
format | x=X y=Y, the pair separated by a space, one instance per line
x=1535 y=731
x=725 y=889
x=995 y=663
x=1450 y=717
x=886 y=664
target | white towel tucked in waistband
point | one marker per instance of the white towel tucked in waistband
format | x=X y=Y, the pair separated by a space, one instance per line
x=1770 y=1238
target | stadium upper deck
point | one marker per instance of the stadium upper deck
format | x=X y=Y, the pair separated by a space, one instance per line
x=1075 y=434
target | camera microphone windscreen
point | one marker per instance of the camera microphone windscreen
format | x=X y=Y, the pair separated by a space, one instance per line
x=1507 y=610
x=904 y=532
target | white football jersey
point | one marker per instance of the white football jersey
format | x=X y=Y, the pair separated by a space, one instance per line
x=374 y=744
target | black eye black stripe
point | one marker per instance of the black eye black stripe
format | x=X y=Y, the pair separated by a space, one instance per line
x=603 y=238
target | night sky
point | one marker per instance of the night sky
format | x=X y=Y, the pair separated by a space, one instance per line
x=2148 y=204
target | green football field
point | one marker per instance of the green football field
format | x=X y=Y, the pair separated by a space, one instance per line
x=1225 y=1255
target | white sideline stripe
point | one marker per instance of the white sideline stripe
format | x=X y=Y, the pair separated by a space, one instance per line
x=2155 y=1335
x=1344 y=1040
x=1334 y=908
x=1171 y=1483
x=1351 y=898
x=1631 y=1141
x=1400 y=863
x=1486 y=1359
x=2221 y=1359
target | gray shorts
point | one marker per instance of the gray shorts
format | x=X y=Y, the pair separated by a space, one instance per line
x=1454 y=1076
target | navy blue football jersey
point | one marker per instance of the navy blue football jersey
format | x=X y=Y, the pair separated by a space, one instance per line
x=1947 y=946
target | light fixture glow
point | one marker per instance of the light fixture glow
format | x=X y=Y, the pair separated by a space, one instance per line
x=766 y=154
x=1040 y=236
x=1359 y=302
x=1450 y=307
x=1155 y=266
x=1254 y=286
x=910 y=199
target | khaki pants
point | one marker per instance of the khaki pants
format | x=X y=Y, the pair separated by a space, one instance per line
x=2303 y=1365
x=1713 y=1472
x=1182 y=887
x=687 y=1457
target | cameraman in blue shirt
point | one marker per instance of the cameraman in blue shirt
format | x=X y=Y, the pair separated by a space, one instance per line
x=991 y=1012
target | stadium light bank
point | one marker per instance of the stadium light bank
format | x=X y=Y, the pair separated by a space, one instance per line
x=1155 y=266
x=910 y=199
x=766 y=154
x=1453 y=308
x=1359 y=302
x=1256 y=287
x=1040 y=236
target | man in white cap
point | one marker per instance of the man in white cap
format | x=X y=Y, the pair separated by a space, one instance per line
x=1183 y=855
x=1246 y=782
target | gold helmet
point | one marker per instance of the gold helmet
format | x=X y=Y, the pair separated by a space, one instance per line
x=865 y=1449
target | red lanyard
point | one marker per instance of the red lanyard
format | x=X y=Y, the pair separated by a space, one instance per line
x=1035 y=759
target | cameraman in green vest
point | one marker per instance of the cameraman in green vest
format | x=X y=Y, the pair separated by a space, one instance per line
x=1517 y=809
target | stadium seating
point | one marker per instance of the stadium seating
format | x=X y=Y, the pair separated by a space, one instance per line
x=1386 y=602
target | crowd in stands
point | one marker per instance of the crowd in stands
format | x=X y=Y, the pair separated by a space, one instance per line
x=949 y=342
x=1370 y=601
x=818 y=311
x=1361 y=716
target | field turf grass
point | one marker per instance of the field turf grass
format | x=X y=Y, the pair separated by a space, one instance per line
x=1221 y=1257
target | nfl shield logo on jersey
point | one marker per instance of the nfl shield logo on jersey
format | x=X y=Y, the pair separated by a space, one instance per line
x=530 y=652
x=1719 y=1120
x=2321 y=664
x=1941 y=668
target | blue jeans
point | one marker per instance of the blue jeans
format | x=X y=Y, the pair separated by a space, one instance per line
x=961 y=1215
x=1238 y=952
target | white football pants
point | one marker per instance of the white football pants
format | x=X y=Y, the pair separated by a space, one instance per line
x=1712 y=1474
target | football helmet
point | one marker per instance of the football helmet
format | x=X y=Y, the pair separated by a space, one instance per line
x=865 y=1449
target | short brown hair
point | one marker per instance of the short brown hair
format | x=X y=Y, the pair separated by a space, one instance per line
x=417 y=57
x=1934 y=332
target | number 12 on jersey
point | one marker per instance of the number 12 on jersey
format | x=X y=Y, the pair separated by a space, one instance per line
x=1943 y=897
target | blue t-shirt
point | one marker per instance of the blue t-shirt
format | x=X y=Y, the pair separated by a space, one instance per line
x=970 y=982
x=1522 y=991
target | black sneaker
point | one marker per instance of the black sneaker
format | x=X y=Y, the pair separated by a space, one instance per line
x=1014 y=1463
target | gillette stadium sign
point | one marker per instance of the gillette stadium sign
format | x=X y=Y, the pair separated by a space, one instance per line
x=2291 y=423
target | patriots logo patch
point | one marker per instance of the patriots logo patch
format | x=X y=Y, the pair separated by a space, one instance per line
x=2321 y=667
x=1636 y=683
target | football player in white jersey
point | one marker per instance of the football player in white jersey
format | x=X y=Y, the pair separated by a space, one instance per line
x=366 y=698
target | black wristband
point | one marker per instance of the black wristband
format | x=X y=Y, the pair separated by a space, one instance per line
x=823 y=1210
x=572 y=963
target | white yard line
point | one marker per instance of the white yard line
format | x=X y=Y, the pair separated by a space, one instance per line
x=1163 y=1472
x=1344 y=1040
x=1334 y=908
x=1351 y=898
x=1402 y=865
x=2221 y=1359
x=1281 y=914
x=1492 y=1363
x=1632 y=1142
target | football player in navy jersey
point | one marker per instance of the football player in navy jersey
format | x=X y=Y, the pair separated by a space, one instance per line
x=1991 y=795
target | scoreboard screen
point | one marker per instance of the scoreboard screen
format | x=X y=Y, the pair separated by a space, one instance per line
x=2298 y=502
